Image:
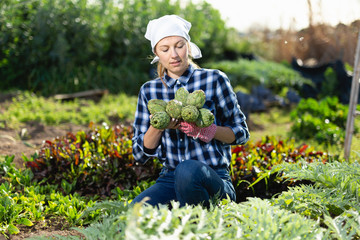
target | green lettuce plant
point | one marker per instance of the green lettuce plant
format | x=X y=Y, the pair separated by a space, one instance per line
x=11 y=210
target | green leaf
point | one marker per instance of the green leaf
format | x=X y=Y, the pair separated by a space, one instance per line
x=25 y=221
x=288 y=201
x=12 y=229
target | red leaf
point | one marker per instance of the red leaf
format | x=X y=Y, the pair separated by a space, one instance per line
x=32 y=165
x=238 y=149
x=117 y=154
x=303 y=148
x=269 y=148
x=71 y=136
x=240 y=159
x=77 y=159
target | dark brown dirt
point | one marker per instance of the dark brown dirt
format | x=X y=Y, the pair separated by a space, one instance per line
x=47 y=232
x=49 y=228
x=29 y=138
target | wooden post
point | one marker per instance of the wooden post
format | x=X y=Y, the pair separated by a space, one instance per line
x=353 y=101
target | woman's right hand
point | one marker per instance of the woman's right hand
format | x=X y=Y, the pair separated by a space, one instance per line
x=173 y=124
x=153 y=135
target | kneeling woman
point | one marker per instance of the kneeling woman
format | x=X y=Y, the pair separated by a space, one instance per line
x=195 y=160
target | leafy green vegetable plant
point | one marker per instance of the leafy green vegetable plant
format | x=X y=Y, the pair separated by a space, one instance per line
x=324 y=121
x=333 y=198
x=8 y=171
x=251 y=161
x=272 y=75
x=92 y=162
x=254 y=219
x=24 y=201
x=70 y=207
x=9 y=210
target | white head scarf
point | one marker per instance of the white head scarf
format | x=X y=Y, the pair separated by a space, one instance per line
x=170 y=25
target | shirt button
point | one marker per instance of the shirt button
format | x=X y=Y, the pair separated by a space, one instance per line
x=181 y=139
x=178 y=82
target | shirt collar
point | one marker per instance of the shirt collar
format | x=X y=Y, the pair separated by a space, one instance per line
x=183 y=79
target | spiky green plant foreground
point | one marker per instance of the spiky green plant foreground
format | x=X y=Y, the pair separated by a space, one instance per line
x=254 y=219
x=326 y=209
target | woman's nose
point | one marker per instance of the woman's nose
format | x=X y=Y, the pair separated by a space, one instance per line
x=174 y=53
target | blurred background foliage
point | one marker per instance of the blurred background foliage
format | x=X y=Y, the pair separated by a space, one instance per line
x=64 y=46
x=61 y=46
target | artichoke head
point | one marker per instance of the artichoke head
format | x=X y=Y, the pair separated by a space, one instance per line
x=160 y=120
x=190 y=113
x=173 y=108
x=196 y=98
x=181 y=95
x=156 y=105
x=205 y=119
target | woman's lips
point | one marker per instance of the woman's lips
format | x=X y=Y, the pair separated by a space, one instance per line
x=175 y=63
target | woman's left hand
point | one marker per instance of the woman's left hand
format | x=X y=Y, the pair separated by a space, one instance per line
x=205 y=134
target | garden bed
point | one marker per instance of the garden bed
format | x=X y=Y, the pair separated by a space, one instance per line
x=34 y=135
x=248 y=162
x=11 y=144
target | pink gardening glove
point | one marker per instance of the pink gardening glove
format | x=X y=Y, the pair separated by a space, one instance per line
x=205 y=134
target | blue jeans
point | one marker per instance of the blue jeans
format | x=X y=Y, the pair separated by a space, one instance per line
x=192 y=182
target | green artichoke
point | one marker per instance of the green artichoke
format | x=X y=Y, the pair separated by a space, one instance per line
x=181 y=95
x=205 y=119
x=196 y=98
x=156 y=105
x=189 y=113
x=160 y=120
x=173 y=108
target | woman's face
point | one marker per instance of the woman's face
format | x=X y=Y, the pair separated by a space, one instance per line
x=173 y=55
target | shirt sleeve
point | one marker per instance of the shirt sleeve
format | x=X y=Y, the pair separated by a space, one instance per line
x=228 y=111
x=140 y=126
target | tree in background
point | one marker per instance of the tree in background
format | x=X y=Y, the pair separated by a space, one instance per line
x=60 y=46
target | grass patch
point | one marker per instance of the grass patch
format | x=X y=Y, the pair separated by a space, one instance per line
x=27 y=107
x=274 y=122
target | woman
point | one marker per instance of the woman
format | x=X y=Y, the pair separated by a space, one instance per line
x=195 y=160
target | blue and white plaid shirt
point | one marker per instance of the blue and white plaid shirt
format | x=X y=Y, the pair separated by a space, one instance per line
x=175 y=146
